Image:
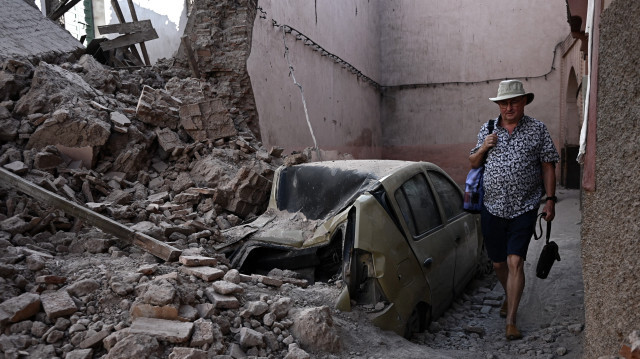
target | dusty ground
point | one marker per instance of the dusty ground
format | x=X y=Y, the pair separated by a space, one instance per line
x=551 y=314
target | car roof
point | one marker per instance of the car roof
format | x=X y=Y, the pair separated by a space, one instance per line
x=377 y=169
x=321 y=189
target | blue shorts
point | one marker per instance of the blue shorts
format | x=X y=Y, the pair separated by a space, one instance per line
x=503 y=236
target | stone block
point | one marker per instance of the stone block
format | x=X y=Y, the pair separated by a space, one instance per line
x=94 y=339
x=80 y=354
x=226 y=288
x=202 y=333
x=205 y=309
x=205 y=273
x=17 y=167
x=270 y=281
x=58 y=304
x=188 y=353
x=222 y=301
x=169 y=312
x=250 y=338
x=207 y=120
x=19 y=308
x=158 y=108
x=187 y=313
x=167 y=330
x=257 y=308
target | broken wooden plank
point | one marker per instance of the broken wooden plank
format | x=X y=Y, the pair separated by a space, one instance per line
x=193 y=64
x=143 y=47
x=126 y=28
x=149 y=244
x=64 y=6
x=118 y=11
x=129 y=39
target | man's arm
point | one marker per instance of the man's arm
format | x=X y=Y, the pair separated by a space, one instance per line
x=477 y=158
x=549 y=178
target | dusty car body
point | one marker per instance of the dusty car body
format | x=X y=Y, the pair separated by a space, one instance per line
x=393 y=231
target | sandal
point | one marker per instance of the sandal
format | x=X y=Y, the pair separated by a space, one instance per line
x=513 y=333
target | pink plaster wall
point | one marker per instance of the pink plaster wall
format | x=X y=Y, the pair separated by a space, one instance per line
x=454 y=51
x=344 y=111
x=458 y=51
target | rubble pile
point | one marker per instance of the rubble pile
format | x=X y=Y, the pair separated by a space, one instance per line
x=167 y=161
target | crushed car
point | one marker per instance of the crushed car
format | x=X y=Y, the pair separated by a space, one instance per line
x=394 y=232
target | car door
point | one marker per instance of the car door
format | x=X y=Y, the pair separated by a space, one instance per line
x=460 y=225
x=416 y=206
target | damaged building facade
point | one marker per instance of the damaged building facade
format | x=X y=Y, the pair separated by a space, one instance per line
x=167 y=155
x=181 y=157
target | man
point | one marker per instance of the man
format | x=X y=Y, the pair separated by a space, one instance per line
x=519 y=158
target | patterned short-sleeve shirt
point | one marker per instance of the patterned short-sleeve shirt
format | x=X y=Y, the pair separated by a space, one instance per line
x=513 y=170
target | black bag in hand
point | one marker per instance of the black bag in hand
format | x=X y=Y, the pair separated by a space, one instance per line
x=548 y=255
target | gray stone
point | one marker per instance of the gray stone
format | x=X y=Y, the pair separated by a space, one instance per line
x=187 y=353
x=313 y=327
x=187 y=312
x=197 y=261
x=222 y=301
x=202 y=333
x=167 y=330
x=83 y=287
x=159 y=292
x=205 y=273
x=19 y=308
x=226 y=288
x=281 y=307
x=58 y=304
x=257 y=308
x=92 y=340
x=250 y=338
x=233 y=276
x=79 y=354
x=135 y=346
x=295 y=352
x=269 y=319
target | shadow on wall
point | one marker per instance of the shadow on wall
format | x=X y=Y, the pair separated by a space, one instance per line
x=168 y=30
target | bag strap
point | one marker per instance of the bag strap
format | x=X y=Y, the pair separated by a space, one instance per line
x=490 y=126
x=539 y=220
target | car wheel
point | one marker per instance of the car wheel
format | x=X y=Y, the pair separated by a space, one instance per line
x=485 y=266
x=418 y=321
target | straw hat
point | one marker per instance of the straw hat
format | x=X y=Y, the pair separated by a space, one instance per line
x=510 y=89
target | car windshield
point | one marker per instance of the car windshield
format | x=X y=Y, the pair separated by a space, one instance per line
x=318 y=191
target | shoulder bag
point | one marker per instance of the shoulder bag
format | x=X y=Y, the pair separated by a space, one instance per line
x=473 y=190
x=549 y=254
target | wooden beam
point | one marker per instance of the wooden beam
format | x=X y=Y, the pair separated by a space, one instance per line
x=149 y=244
x=193 y=64
x=143 y=47
x=129 y=39
x=126 y=28
x=64 y=6
x=118 y=11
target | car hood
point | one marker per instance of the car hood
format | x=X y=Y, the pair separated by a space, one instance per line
x=306 y=199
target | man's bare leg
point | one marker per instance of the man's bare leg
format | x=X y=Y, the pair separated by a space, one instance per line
x=515 y=286
x=502 y=272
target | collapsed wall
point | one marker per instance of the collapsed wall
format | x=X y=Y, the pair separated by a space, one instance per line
x=166 y=154
x=610 y=221
x=219 y=34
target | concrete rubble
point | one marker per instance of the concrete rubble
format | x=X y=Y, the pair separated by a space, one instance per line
x=170 y=156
